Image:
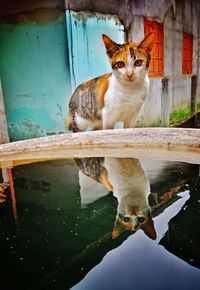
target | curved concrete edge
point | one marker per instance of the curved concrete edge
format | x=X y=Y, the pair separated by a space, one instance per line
x=165 y=143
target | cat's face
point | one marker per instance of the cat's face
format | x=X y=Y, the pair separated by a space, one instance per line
x=133 y=221
x=129 y=61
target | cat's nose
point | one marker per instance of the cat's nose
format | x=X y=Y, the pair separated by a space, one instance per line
x=129 y=75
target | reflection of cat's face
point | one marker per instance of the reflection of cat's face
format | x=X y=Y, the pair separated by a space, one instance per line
x=127 y=179
x=134 y=221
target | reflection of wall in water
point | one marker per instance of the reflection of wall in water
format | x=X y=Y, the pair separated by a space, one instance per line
x=183 y=236
x=52 y=184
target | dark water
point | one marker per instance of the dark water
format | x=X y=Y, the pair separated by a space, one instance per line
x=61 y=237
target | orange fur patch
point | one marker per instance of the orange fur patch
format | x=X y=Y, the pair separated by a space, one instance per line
x=115 y=233
x=101 y=89
x=105 y=181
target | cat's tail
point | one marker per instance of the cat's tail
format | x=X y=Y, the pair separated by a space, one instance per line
x=71 y=124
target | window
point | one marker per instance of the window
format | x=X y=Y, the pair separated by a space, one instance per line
x=156 y=68
x=187 y=54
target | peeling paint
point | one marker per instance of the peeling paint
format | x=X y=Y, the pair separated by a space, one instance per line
x=88 y=57
x=35 y=76
x=83 y=16
x=59 y=112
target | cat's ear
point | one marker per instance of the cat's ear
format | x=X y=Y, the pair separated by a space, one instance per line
x=117 y=230
x=148 y=42
x=149 y=229
x=115 y=233
x=111 y=46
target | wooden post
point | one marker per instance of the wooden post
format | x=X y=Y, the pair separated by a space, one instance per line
x=12 y=192
x=4 y=138
x=193 y=94
x=165 y=103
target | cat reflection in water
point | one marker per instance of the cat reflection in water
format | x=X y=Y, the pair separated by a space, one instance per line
x=114 y=97
x=126 y=178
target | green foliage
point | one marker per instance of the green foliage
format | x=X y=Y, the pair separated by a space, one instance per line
x=180 y=115
x=154 y=124
x=176 y=117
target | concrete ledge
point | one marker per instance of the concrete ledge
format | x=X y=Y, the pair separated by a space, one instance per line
x=176 y=144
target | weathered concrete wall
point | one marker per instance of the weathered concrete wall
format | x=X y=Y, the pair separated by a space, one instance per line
x=169 y=55
x=124 y=9
x=196 y=43
x=181 y=17
x=187 y=20
x=87 y=52
x=151 y=112
x=182 y=84
x=177 y=17
x=35 y=73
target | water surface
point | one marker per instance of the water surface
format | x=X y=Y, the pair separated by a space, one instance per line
x=60 y=234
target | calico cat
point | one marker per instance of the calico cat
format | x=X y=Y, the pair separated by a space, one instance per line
x=125 y=177
x=117 y=96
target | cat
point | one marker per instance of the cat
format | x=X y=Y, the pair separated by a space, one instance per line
x=126 y=178
x=117 y=96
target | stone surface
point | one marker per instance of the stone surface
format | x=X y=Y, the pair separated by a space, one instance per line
x=163 y=143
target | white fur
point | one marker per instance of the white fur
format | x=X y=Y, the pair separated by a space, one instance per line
x=127 y=178
x=123 y=101
x=90 y=189
x=130 y=185
x=82 y=123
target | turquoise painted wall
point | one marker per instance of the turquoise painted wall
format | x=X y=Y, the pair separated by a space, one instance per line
x=41 y=64
x=34 y=69
x=88 y=57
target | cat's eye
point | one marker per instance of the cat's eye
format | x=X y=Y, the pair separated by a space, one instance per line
x=126 y=219
x=120 y=64
x=138 y=62
x=141 y=219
